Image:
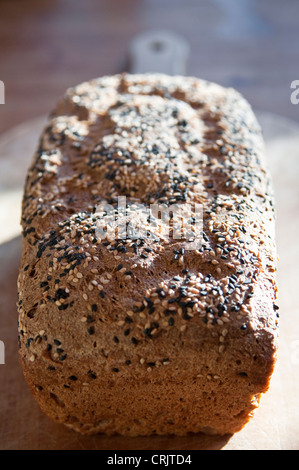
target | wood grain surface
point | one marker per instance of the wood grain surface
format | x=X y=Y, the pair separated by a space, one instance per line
x=276 y=423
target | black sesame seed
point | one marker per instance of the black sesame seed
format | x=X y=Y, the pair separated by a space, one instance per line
x=148 y=332
x=235 y=308
x=188 y=317
x=63 y=307
x=73 y=378
x=94 y=308
x=61 y=294
x=44 y=284
x=115 y=369
x=29 y=342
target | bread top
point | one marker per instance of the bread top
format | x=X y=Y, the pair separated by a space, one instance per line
x=147 y=302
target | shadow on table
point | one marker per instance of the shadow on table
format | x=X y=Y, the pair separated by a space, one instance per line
x=23 y=426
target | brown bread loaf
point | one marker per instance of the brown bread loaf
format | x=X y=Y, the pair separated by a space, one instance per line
x=145 y=336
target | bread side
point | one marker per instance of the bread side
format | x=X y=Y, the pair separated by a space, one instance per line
x=144 y=336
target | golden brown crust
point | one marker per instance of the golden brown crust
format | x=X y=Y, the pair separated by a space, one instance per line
x=145 y=336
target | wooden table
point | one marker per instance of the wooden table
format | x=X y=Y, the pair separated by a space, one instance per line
x=50 y=45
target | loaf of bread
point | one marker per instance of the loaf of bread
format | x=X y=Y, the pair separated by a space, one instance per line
x=143 y=336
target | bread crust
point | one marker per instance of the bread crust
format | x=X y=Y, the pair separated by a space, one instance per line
x=142 y=337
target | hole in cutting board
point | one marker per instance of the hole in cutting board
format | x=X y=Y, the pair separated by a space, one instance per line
x=157 y=46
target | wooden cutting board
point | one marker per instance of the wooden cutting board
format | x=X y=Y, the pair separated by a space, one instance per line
x=276 y=423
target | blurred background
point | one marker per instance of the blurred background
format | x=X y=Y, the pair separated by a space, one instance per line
x=49 y=45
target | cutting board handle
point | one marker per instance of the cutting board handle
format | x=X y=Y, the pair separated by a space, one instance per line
x=159 y=52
